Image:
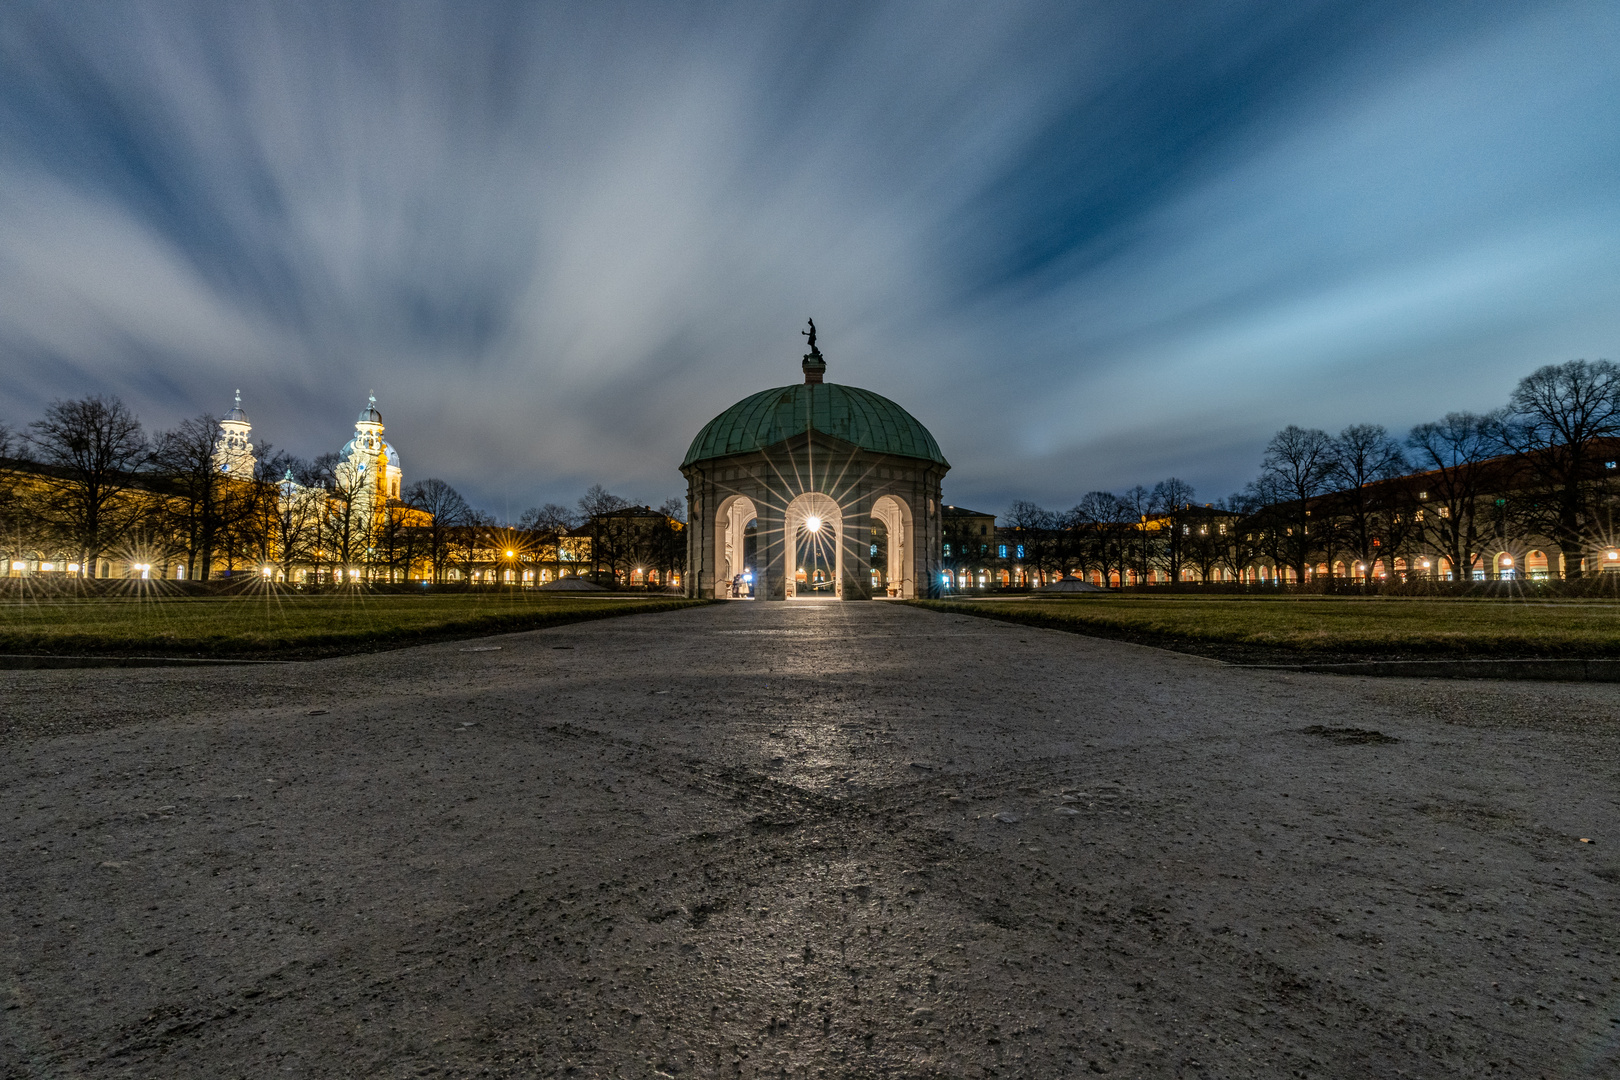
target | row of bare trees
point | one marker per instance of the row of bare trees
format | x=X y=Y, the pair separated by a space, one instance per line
x=1541 y=470
x=622 y=537
x=86 y=483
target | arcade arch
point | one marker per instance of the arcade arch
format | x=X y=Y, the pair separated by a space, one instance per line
x=895 y=517
x=815 y=525
x=731 y=521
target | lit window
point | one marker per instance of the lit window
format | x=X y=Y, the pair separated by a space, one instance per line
x=1020 y=551
x=1001 y=551
x=947 y=549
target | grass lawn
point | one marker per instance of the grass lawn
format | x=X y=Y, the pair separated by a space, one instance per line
x=288 y=625
x=1318 y=628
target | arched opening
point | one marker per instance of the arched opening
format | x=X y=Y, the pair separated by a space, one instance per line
x=814 y=542
x=736 y=551
x=1506 y=566
x=891 y=550
x=1535 y=564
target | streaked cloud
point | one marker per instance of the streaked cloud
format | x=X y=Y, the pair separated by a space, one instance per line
x=1088 y=245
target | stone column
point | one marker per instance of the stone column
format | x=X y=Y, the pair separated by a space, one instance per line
x=857 y=551
x=773 y=554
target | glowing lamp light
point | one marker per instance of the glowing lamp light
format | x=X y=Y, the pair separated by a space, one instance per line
x=812 y=524
x=47 y=566
x=1612 y=555
x=266 y=571
x=18 y=564
x=73 y=568
x=509 y=554
x=1507 y=560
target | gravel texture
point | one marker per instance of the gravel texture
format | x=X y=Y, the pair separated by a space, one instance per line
x=804 y=840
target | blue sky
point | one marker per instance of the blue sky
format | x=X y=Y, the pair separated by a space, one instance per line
x=1088 y=245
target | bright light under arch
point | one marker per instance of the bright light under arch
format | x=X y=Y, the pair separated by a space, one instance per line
x=812 y=524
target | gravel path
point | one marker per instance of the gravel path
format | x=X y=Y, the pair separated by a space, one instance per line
x=804 y=840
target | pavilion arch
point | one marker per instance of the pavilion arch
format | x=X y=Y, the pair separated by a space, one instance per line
x=896 y=517
x=829 y=537
x=731 y=518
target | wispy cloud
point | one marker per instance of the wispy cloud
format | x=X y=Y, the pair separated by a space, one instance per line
x=1086 y=244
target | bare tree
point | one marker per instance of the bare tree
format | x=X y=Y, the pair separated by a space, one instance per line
x=1556 y=420
x=674 y=507
x=449 y=513
x=1297 y=466
x=18 y=524
x=1364 y=455
x=294 y=512
x=1244 y=534
x=1099 y=518
x=346 y=520
x=1451 y=451
x=1174 y=497
x=95 y=448
x=1036 y=529
x=550 y=518
x=597 y=505
x=1135 y=507
x=196 y=508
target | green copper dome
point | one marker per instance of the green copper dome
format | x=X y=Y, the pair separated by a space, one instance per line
x=868 y=420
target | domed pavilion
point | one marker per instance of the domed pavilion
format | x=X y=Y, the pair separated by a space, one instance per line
x=813 y=491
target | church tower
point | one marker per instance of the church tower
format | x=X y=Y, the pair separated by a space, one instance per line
x=233 y=450
x=369 y=465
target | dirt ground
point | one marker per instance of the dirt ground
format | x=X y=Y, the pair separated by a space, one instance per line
x=784 y=840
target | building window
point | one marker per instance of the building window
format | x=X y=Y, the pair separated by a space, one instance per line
x=947 y=549
x=1001 y=550
x=1020 y=551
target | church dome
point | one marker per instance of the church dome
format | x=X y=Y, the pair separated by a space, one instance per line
x=235 y=414
x=369 y=414
x=868 y=420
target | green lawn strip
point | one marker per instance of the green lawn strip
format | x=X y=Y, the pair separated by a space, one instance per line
x=288 y=628
x=1261 y=631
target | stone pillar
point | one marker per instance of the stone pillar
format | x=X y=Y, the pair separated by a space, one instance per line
x=697 y=538
x=857 y=549
x=773 y=555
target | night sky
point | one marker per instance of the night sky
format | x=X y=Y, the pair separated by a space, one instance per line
x=1089 y=245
